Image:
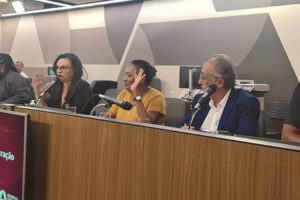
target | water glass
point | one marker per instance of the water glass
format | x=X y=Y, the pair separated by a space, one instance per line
x=71 y=109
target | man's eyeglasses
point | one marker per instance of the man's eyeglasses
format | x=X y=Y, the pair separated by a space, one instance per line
x=62 y=68
x=207 y=78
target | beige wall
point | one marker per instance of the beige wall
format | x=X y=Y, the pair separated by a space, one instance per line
x=107 y=38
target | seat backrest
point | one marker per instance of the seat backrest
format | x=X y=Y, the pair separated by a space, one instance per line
x=155 y=83
x=100 y=86
x=177 y=109
x=112 y=92
x=101 y=105
x=274 y=113
x=261 y=124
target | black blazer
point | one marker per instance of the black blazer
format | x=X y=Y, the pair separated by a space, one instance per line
x=78 y=95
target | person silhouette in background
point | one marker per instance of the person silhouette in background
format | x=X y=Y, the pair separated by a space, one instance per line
x=14 y=89
x=20 y=69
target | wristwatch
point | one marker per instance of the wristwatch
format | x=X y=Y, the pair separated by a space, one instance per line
x=138 y=98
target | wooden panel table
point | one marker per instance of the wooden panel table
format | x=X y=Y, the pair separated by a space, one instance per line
x=84 y=157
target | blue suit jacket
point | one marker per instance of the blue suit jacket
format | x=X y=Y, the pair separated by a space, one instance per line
x=240 y=115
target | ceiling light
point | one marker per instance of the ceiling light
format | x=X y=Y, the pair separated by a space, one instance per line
x=18 y=6
x=102 y=3
x=53 y=3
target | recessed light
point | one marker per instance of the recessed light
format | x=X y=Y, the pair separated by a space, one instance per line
x=102 y=3
x=18 y=6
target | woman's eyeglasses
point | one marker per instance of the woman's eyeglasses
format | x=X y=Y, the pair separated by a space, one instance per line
x=61 y=68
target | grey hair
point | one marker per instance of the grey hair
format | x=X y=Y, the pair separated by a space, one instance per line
x=224 y=68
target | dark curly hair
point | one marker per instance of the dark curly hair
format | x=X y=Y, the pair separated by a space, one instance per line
x=8 y=62
x=149 y=70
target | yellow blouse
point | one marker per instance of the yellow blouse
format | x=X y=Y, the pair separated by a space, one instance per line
x=153 y=100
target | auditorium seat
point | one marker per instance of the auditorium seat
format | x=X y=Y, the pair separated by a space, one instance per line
x=155 y=83
x=111 y=92
x=100 y=86
x=261 y=124
x=177 y=109
x=274 y=113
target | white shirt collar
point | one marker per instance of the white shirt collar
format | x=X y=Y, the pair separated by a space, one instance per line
x=222 y=102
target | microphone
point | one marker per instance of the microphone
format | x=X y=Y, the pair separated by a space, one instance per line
x=123 y=104
x=49 y=86
x=210 y=90
x=47 y=89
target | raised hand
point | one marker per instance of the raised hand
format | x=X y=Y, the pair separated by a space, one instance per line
x=37 y=84
x=138 y=79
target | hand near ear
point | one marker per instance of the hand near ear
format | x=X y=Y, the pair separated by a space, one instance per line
x=139 y=78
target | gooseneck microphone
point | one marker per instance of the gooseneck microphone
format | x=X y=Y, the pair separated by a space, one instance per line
x=202 y=100
x=209 y=91
x=49 y=86
x=123 y=104
x=47 y=89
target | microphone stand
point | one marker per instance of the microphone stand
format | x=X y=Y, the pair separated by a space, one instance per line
x=38 y=101
x=46 y=90
x=101 y=104
x=195 y=112
x=210 y=90
x=196 y=109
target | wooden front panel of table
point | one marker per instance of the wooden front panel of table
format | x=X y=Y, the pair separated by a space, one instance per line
x=71 y=157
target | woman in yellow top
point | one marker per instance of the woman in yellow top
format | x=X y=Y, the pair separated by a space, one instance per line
x=147 y=102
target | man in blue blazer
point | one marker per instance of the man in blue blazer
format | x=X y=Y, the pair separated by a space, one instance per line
x=228 y=109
